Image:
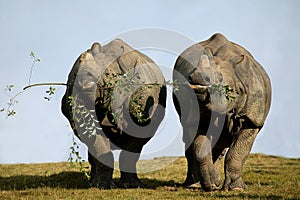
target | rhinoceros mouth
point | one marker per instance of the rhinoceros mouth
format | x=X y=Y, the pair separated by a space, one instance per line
x=199 y=89
x=88 y=85
x=201 y=92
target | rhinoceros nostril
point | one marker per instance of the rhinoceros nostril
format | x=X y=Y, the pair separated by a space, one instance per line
x=207 y=79
x=190 y=80
x=221 y=78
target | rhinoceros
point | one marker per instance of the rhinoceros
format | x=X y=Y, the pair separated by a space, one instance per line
x=223 y=100
x=115 y=99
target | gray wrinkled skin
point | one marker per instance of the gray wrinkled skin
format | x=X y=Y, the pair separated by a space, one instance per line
x=115 y=109
x=223 y=124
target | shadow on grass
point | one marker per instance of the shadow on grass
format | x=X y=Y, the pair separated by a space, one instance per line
x=68 y=180
x=77 y=180
x=61 y=180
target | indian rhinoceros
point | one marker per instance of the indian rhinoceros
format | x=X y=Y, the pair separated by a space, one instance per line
x=115 y=99
x=223 y=100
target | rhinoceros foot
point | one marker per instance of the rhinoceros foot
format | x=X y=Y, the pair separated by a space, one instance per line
x=236 y=185
x=130 y=180
x=101 y=183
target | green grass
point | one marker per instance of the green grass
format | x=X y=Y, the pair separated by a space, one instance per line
x=267 y=177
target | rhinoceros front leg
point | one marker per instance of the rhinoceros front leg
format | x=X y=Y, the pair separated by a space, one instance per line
x=101 y=160
x=189 y=134
x=236 y=157
x=209 y=176
x=193 y=166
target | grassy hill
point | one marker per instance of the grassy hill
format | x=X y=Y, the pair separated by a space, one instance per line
x=267 y=177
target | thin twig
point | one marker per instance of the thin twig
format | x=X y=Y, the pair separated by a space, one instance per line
x=104 y=88
x=31 y=71
x=43 y=84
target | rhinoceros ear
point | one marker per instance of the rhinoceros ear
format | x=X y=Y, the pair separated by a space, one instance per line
x=254 y=78
x=215 y=42
x=96 y=48
x=209 y=51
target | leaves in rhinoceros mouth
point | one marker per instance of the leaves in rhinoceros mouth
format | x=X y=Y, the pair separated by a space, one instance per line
x=126 y=84
x=223 y=90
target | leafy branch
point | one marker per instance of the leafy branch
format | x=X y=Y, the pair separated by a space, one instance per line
x=85 y=118
x=86 y=124
x=126 y=84
x=223 y=90
x=12 y=101
x=35 y=60
x=78 y=159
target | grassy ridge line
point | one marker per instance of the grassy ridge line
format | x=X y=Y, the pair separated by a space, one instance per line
x=267 y=177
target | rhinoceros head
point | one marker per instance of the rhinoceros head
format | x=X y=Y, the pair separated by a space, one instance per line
x=210 y=77
x=209 y=80
x=92 y=66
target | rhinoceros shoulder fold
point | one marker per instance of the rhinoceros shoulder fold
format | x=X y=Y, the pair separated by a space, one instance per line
x=258 y=90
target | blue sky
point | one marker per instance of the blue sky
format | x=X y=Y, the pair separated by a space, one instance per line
x=58 y=31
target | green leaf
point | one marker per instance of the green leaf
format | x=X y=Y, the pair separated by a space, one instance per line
x=51 y=91
x=32 y=55
x=9 y=87
x=11 y=113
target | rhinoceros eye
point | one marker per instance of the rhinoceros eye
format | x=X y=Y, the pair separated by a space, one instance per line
x=190 y=80
x=207 y=79
x=89 y=74
x=221 y=78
